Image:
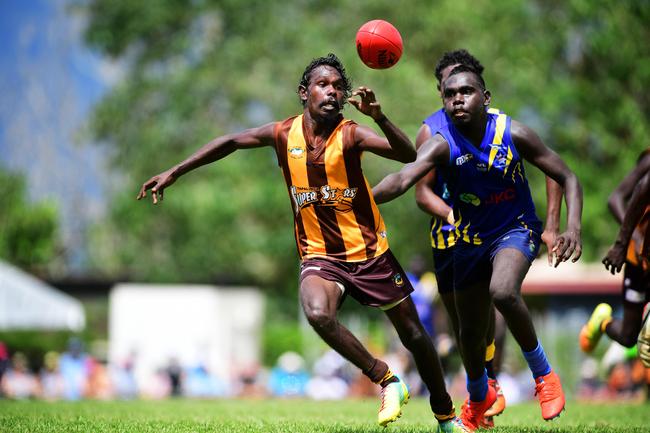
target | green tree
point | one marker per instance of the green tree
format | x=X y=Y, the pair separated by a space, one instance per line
x=576 y=71
x=28 y=231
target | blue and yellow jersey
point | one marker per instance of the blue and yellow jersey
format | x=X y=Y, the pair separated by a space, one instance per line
x=490 y=189
x=443 y=234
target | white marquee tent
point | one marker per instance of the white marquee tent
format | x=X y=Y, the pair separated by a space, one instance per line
x=28 y=303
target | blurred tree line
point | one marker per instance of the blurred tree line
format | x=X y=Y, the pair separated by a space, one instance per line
x=576 y=71
x=28 y=231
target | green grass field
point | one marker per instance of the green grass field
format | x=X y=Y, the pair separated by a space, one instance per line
x=292 y=416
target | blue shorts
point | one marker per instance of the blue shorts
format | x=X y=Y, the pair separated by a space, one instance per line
x=443 y=264
x=474 y=262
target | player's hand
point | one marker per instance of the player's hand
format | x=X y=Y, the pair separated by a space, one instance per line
x=549 y=237
x=615 y=258
x=566 y=245
x=157 y=185
x=368 y=105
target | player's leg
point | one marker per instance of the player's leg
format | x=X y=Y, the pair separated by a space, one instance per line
x=509 y=267
x=473 y=306
x=320 y=299
x=443 y=264
x=625 y=330
x=414 y=337
x=493 y=356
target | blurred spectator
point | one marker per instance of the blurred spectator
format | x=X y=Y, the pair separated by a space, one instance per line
x=288 y=378
x=52 y=384
x=99 y=383
x=424 y=294
x=175 y=375
x=589 y=384
x=200 y=383
x=158 y=385
x=327 y=383
x=4 y=362
x=250 y=383
x=124 y=381
x=18 y=382
x=74 y=365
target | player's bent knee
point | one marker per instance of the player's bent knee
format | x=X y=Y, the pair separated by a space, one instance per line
x=320 y=319
x=505 y=298
x=414 y=337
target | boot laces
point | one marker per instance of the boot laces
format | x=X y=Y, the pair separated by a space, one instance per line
x=546 y=390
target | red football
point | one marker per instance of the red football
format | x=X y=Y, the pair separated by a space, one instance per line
x=379 y=44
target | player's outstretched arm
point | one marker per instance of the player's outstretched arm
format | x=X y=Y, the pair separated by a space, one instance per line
x=531 y=147
x=425 y=197
x=396 y=145
x=434 y=151
x=615 y=257
x=554 y=194
x=618 y=199
x=212 y=151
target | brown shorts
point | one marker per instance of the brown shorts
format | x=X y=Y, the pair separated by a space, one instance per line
x=376 y=282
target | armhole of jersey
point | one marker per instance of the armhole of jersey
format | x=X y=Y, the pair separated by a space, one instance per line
x=349 y=130
x=277 y=132
x=452 y=149
x=276 y=139
x=507 y=136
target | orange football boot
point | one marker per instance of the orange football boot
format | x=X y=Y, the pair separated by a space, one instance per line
x=551 y=397
x=473 y=411
x=500 y=405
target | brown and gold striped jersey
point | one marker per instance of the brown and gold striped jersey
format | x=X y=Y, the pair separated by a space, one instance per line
x=335 y=214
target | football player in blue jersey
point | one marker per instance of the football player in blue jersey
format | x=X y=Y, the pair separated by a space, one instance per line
x=498 y=231
x=434 y=198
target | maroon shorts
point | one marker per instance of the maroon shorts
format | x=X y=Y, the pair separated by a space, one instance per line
x=376 y=282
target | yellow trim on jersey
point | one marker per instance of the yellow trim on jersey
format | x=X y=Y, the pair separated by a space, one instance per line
x=499 y=129
x=337 y=178
x=298 y=170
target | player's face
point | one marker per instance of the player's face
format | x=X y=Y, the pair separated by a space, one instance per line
x=325 y=94
x=464 y=98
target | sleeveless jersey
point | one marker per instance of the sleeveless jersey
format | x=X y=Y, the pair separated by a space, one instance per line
x=490 y=189
x=335 y=214
x=443 y=235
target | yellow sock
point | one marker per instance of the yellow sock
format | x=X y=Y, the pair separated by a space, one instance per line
x=489 y=351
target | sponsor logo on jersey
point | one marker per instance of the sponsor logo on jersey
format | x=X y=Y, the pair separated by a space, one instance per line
x=481 y=166
x=297 y=152
x=326 y=195
x=469 y=198
x=508 y=194
x=464 y=158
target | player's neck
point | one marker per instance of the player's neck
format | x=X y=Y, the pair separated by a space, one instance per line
x=320 y=127
x=474 y=131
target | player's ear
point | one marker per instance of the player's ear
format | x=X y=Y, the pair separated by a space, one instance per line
x=302 y=92
x=488 y=97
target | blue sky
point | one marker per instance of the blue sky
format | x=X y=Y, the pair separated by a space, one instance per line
x=49 y=82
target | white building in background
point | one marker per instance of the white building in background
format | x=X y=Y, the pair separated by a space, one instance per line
x=216 y=327
x=29 y=303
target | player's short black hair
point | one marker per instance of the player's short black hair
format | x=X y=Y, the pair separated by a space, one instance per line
x=464 y=68
x=334 y=62
x=458 y=57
